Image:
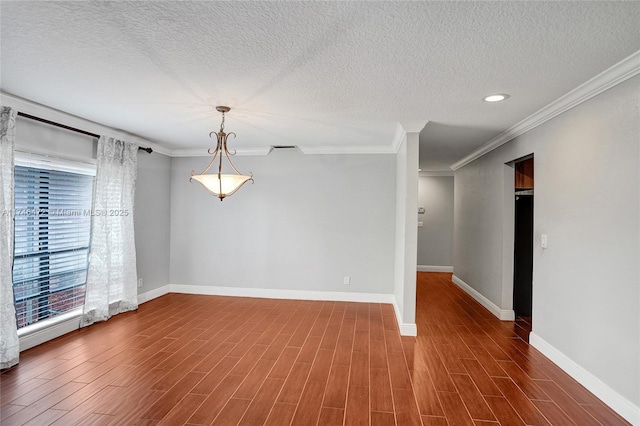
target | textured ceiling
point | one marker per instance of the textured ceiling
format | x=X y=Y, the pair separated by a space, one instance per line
x=308 y=73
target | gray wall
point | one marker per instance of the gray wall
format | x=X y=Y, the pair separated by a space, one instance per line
x=306 y=222
x=152 y=224
x=435 y=238
x=586 y=300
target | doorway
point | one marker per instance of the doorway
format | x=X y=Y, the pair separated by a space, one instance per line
x=523 y=241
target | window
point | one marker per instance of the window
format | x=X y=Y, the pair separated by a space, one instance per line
x=52 y=211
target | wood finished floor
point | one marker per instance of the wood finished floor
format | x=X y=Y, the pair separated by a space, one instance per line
x=201 y=360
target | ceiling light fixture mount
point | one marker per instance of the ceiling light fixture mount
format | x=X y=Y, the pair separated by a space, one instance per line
x=496 y=97
x=219 y=184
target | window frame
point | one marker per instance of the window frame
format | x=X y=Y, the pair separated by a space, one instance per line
x=50 y=163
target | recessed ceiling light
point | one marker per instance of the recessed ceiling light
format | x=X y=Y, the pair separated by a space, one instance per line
x=496 y=98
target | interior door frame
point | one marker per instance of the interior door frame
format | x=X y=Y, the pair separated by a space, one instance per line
x=508 y=236
x=508 y=233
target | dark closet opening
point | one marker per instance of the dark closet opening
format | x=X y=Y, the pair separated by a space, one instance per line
x=523 y=244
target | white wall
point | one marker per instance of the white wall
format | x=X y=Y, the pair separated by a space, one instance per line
x=435 y=238
x=406 y=235
x=400 y=217
x=306 y=222
x=586 y=292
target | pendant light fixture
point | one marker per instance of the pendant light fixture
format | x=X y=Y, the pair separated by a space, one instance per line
x=219 y=184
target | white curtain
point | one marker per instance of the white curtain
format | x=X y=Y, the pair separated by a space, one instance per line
x=112 y=277
x=9 y=343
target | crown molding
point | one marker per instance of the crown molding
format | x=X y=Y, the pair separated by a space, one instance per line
x=42 y=111
x=402 y=128
x=435 y=173
x=398 y=138
x=48 y=113
x=414 y=126
x=264 y=150
x=623 y=70
x=366 y=149
x=52 y=114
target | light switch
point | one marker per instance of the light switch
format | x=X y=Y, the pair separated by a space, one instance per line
x=420 y=224
x=543 y=241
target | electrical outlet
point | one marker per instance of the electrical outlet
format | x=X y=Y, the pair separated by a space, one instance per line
x=139 y=282
x=347 y=280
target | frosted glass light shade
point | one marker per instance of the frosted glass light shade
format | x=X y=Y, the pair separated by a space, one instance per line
x=221 y=185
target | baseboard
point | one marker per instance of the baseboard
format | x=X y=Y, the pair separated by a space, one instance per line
x=152 y=294
x=338 y=296
x=406 y=329
x=46 y=330
x=61 y=326
x=617 y=402
x=431 y=268
x=502 y=314
x=269 y=293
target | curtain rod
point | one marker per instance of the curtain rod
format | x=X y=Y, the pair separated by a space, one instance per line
x=73 y=129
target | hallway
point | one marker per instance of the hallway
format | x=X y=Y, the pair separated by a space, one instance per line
x=469 y=368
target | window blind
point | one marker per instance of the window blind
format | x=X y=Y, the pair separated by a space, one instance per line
x=52 y=212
